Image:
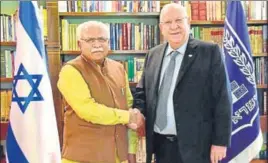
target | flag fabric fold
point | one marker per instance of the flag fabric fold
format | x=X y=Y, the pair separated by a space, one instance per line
x=246 y=134
x=32 y=133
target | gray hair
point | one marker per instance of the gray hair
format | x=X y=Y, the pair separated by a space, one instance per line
x=174 y=5
x=89 y=24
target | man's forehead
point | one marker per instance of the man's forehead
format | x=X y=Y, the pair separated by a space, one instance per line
x=173 y=11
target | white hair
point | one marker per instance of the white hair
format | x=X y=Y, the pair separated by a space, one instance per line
x=174 y=5
x=89 y=24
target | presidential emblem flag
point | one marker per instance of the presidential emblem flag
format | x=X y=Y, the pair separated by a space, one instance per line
x=246 y=134
x=32 y=133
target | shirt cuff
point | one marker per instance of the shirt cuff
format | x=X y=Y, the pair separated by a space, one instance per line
x=123 y=116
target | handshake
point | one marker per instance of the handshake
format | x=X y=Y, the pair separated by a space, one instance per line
x=136 y=119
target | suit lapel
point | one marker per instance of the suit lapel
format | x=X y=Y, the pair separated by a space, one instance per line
x=188 y=59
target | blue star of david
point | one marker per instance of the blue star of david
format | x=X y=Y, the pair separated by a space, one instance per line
x=34 y=95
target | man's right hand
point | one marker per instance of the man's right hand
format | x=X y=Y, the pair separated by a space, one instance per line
x=136 y=119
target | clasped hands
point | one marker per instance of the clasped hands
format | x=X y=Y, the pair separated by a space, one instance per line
x=136 y=121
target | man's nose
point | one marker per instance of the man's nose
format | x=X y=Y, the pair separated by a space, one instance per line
x=173 y=25
x=96 y=44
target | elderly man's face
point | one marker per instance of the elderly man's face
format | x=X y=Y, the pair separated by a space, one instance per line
x=175 y=26
x=94 y=43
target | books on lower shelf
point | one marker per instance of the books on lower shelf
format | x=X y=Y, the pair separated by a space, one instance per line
x=6 y=97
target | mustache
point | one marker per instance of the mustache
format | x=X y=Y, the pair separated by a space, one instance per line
x=97 y=50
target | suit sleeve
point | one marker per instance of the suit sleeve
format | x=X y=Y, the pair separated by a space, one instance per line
x=139 y=95
x=222 y=100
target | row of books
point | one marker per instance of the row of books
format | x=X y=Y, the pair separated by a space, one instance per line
x=6 y=97
x=257 y=34
x=261 y=70
x=7 y=26
x=197 y=10
x=123 y=36
x=109 y=6
x=133 y=67
x=7 y=64
x=216 y=10
x=8 y=23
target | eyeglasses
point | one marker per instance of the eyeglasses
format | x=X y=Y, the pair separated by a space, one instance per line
x=177 y=22
x=91 y=40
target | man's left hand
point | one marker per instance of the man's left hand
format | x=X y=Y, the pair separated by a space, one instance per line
x=217 y=153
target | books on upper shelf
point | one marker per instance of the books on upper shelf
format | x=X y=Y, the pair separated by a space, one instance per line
x=109 y=6
x=123 y=36
x=215 y=10
x=257 y=34
x=8 y=23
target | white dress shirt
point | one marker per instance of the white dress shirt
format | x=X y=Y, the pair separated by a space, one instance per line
x=171 y=124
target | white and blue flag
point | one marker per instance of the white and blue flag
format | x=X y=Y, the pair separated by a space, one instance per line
x=32 y=133
x=246 y=134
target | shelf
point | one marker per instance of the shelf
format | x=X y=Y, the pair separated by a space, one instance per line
x=260 y=55
x=13 y=43
x=262 y=86
x=97 y=14
x=9 y=43
x=3 y=129
x=110 y=52
x=221 y=22
x=6 y=79
x=263 y=122
x=133 y=84
x=258 y=161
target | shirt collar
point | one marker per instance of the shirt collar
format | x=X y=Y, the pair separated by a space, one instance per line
x=181 y=49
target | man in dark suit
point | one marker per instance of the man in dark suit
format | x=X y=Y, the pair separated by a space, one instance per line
x=184 y=96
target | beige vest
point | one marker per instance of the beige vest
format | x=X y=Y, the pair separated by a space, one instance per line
x=86 y=142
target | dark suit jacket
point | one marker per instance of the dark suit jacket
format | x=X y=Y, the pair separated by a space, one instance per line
x=202 y=101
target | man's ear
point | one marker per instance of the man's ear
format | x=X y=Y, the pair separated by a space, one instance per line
x=109 y=46
x=79 y=44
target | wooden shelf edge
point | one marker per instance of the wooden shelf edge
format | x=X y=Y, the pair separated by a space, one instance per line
x=262 y=86
x=13 y=43
x=110 y=52
x=133 y=84
x=258 y=161
x=260 y=55
x=132 y=14
x=6 y=79
x=8 y=43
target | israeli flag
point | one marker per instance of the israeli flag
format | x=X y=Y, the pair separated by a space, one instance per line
x=246 y=134
x=32 y=133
